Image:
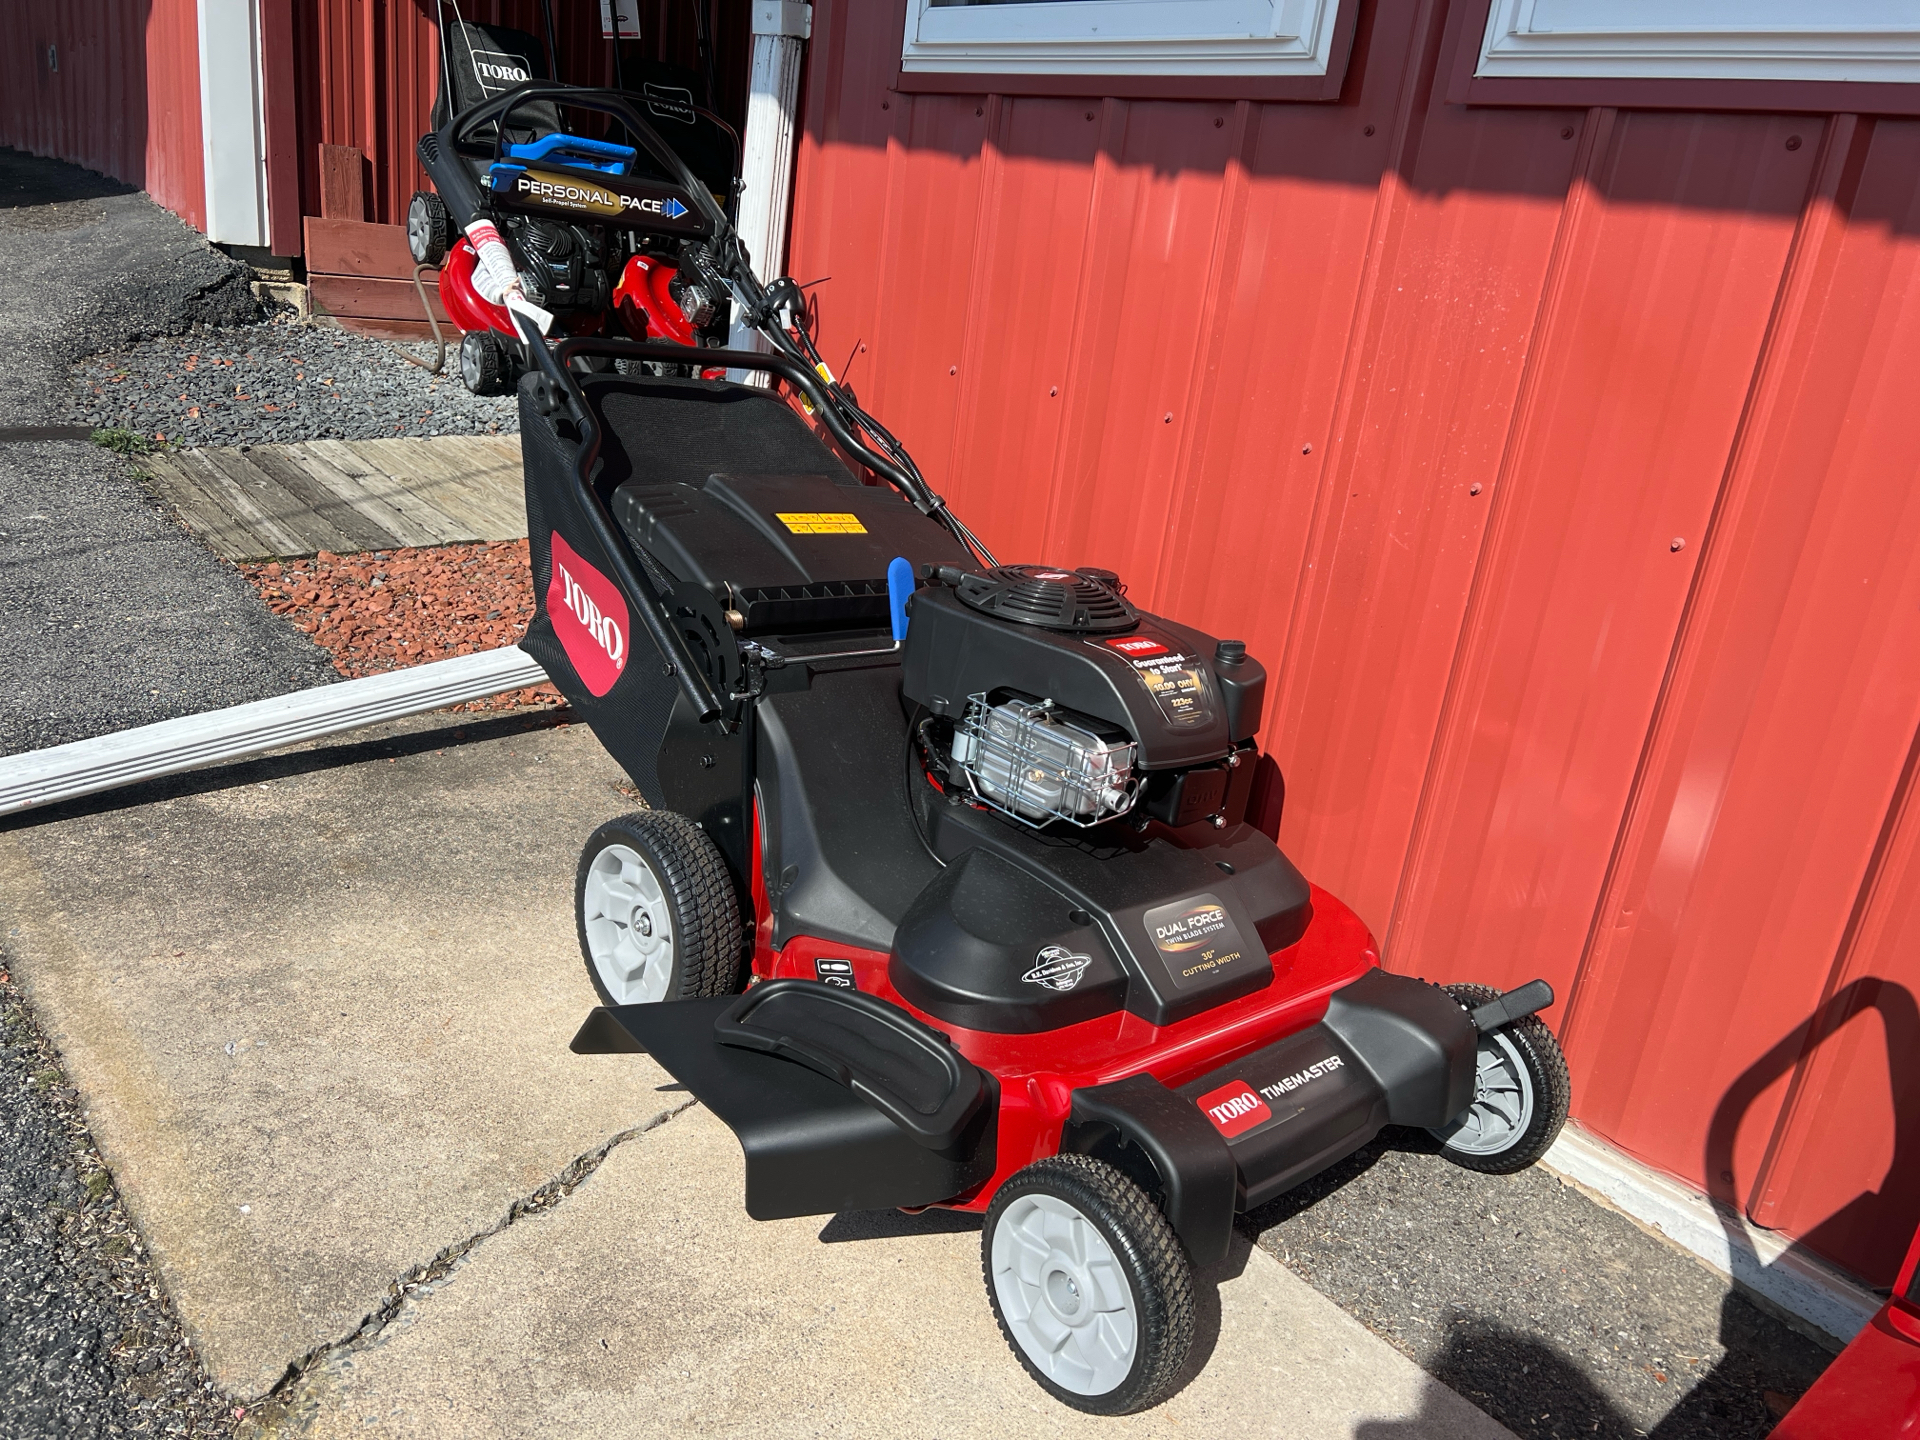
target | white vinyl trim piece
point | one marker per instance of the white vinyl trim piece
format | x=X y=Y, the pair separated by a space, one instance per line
x=1757 y=1260
x=233 y=122
x=1834 y=40
x=65 y=772
x=1121 y=37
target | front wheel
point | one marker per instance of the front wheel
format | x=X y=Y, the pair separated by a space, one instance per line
x=1089 y=1284
x=486 y=365
x=1520 y=1094
x=429 y=227
x=657 y=912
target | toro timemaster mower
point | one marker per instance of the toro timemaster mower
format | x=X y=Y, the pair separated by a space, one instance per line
x=948 y=894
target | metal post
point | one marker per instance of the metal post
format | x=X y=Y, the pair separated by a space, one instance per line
x=780 y=32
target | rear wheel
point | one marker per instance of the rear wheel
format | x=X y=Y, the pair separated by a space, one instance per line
x=429 y=228
x=486 y=366
x=1089 y=1284
x=657 y=914
x=1520 y=1094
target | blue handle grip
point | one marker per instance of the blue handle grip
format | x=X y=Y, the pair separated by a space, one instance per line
x=899 y=591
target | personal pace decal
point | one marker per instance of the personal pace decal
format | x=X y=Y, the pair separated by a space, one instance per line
x=589 y=617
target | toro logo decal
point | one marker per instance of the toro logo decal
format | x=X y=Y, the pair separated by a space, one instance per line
x=498 y=70
x=1136 y=647
x=1234 y=1108
x=589 y=617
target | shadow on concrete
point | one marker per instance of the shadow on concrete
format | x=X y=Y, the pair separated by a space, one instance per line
x=291 y=764
x=851 y=1225
x=1520 y=1382
x=854 y=1225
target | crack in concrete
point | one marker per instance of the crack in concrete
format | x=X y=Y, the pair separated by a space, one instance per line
x=425 y=1278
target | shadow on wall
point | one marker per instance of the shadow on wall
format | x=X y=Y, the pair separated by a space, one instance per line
x=1698 y=160
x=1875 y=1226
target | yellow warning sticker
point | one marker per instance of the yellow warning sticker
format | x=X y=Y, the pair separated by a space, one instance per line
x=820 y=522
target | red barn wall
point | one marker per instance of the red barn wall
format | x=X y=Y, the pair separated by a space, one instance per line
x=1560 y=465
x=124 y=100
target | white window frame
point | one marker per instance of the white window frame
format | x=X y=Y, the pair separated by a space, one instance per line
x=1821 y=40
x=1122 y=37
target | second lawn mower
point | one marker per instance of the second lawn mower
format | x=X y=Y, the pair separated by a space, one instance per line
x=522 y=207
x=949 y=893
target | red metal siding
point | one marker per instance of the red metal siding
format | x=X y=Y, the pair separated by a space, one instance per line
x=1418 y=398
x=125 y=100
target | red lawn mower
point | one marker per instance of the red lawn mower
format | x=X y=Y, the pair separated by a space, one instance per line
x=948 y=895
x=526 y=214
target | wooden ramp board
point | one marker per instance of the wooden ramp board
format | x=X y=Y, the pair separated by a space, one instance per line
x=282 y=501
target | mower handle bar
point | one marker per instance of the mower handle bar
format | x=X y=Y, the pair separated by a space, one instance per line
x=793 y=373
x=457 y=132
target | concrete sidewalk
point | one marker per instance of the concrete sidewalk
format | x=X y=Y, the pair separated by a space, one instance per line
x=318 y=1007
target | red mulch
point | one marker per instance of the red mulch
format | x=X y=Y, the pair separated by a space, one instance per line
x=391 y=608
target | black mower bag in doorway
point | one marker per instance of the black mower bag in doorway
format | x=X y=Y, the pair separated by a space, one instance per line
x=840 y=1101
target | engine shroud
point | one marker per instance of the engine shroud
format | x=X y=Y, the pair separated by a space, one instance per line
x=1162 y=683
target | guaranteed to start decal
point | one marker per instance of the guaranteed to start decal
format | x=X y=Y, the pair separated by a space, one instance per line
x=1177 y=682
x=1196 y=939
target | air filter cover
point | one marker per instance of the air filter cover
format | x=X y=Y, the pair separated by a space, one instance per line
x=1053 y=598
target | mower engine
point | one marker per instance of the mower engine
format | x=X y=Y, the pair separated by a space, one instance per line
x=565 y=265
x=1054 y=699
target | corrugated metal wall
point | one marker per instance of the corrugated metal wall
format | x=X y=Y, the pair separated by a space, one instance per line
x=124 y=100
x=368 y=73
x=1560 y=465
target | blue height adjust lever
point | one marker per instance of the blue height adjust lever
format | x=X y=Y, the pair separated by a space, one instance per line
x=899 y=591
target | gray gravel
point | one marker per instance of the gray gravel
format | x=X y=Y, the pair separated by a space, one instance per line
x=88 y=1343
x=1557 y=1316
x=280 y=381
x=90 y=264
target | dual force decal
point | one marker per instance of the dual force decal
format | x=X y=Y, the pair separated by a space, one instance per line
x=1196 y=939
x=589 y=617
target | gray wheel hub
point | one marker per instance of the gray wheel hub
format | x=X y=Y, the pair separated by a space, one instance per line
x=628 y=926
x=1503 y=1101
x=1063 y=1295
